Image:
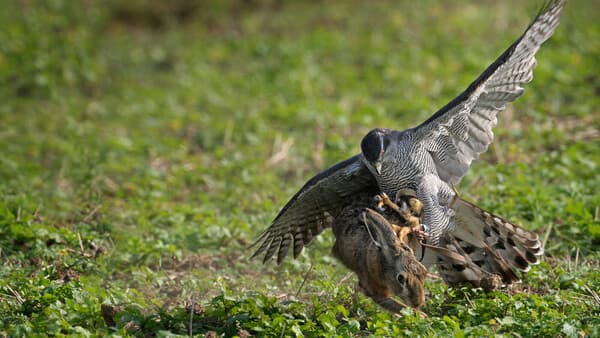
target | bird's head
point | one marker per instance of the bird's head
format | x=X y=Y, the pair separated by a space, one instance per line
x=374 y=146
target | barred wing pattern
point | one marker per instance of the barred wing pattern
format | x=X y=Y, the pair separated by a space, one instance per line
x=308 y=213
x=461 y=130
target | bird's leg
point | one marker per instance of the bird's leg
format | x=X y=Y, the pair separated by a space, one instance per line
x=419 y=232
x=402 y=232
x=405 y=211
x=411 y=209
x=409 y=212
x=383 y=200
x=436 y=197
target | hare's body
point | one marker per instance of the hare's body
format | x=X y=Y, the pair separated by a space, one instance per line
x=368 y=244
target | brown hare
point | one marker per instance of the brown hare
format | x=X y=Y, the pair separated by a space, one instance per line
x=368 y=244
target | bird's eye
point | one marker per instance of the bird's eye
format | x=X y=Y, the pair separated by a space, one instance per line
x=400 y=278
x=386 y=142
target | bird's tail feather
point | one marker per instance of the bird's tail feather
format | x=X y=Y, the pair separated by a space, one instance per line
x=476 y=227
x=460 y=263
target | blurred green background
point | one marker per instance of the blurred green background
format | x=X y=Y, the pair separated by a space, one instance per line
x=144 y=145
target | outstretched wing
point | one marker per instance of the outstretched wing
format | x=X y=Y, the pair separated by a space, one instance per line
x=307 y=213
x=461 y=130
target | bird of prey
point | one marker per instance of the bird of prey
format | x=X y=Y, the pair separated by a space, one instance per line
x=429 y=160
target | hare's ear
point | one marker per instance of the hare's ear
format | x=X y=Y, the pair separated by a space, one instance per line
x=380 y=230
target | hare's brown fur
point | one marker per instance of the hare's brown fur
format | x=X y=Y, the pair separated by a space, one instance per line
x=385 y=265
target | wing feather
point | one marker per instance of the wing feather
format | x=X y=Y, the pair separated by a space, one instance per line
x=310 y=210
x=462 y=129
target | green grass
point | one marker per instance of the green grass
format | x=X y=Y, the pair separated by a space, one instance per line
x=144 y=146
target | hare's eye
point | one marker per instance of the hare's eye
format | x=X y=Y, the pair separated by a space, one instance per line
x=400 y=278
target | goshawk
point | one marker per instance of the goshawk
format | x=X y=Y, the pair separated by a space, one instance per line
x=428 y=159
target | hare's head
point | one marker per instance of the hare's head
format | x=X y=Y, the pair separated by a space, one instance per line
x=403 y=273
